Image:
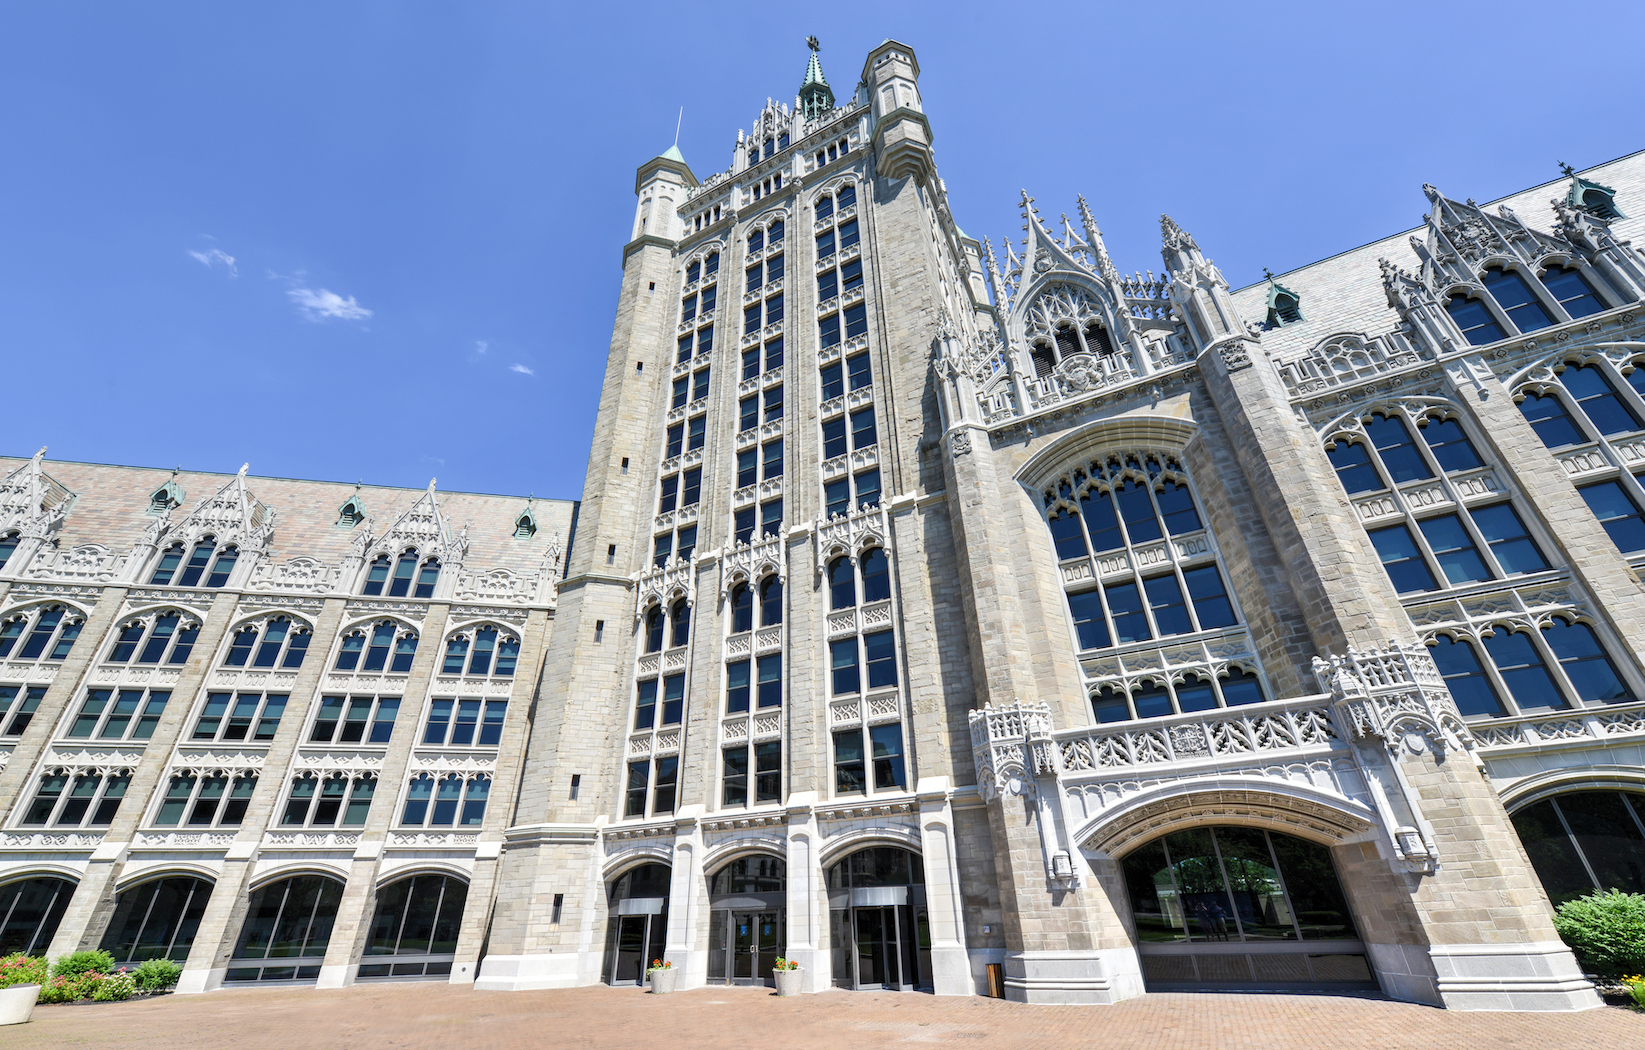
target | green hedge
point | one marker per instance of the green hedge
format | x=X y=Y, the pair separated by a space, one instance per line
x=1606 y=931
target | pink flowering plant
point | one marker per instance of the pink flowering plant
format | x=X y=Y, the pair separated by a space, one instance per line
x=17 y=968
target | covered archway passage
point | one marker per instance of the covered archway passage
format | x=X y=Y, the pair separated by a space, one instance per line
x=156 y=920
x=637 y=923
x=747 y=928
x=414 y=930
x=30 y=910
x=878 y=924
x=287 y=931
x=1241 y=908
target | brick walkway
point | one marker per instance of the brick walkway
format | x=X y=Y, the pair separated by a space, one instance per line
x=447 y=1017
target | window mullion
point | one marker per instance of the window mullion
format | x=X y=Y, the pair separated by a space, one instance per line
x=1487 y=662
x=1561 y=680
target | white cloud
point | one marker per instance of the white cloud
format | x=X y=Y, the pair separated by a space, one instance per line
x=523 y=370
x=480 y=346
x=214 y=257
x=321 y=304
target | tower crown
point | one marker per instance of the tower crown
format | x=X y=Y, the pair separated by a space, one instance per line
x=816 y=97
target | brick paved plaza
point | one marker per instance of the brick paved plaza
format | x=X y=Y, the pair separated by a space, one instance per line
x=411 y=1016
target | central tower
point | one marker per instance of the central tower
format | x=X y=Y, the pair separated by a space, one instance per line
x=744 y=744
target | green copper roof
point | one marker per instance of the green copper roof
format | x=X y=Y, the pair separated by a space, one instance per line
x=813 y=72
x=673 y=154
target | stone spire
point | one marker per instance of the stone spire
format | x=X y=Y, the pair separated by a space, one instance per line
x=816 y=97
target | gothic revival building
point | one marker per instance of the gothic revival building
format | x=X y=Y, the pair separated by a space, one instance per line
x=941 y=617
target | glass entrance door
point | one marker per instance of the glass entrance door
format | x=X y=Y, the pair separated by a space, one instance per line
x=878 y=947
x=640 y=938
x=743 y=946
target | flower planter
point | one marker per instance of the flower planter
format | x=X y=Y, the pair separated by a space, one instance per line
x=662 y=980
x=788 y=981
x=17 y=1003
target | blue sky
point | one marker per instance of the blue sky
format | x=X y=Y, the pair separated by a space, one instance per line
x=425 y=203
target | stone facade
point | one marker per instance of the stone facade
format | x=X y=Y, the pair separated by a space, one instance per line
x=921 y=593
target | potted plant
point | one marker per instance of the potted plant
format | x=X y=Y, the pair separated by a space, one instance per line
x=788 y=976
x=20 y=979
x=662 y=977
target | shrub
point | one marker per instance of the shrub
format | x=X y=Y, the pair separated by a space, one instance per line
x=18 y=968
x=114 y=988
x=156 y=975
x=69 y=989
x=76 y=963
x=1606 y=931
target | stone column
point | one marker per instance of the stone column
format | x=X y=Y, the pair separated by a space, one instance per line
x=353 y=922
x=807 y=896
x=687 y=898
x=219 y=930
x=950 y=963
x=91 y=907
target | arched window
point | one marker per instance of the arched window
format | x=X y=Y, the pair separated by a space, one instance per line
x=1516 y=298
x=287 y=930
x=282 y=645
x=376 y=648
x=427 y=577
x=1582 y=841
x=204 y=556
x=1286 y=308
x=876 y=576
x=167 y=639
x=679 y=617
x=1097 y=340
x=377 y=575
x=418 y=921
x=654 y=629
x=1598 y=400
x=742 y=609
x=8 y=546
x=1470 y=686
x=1549 y=419
x=1474 y=318
x=1044 y=358
x=842 y=584
x=30 y=911
x=46 y=633
x=1353 y=466
x=1571 y=288
x=486 y=643
x=771 y=601
x=1068 y=342
x=157 y=920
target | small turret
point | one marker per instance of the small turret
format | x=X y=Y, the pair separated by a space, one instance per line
x=816 y=97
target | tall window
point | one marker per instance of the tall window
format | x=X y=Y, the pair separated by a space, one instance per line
x=1132 y=503
x=403 y=576
x=1464 y=540
x=661 y=776
x=1574 y=292
x=17 y=707
x=1514 y=294
x=202 y=565
x=44 y=633
x=869 y=757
